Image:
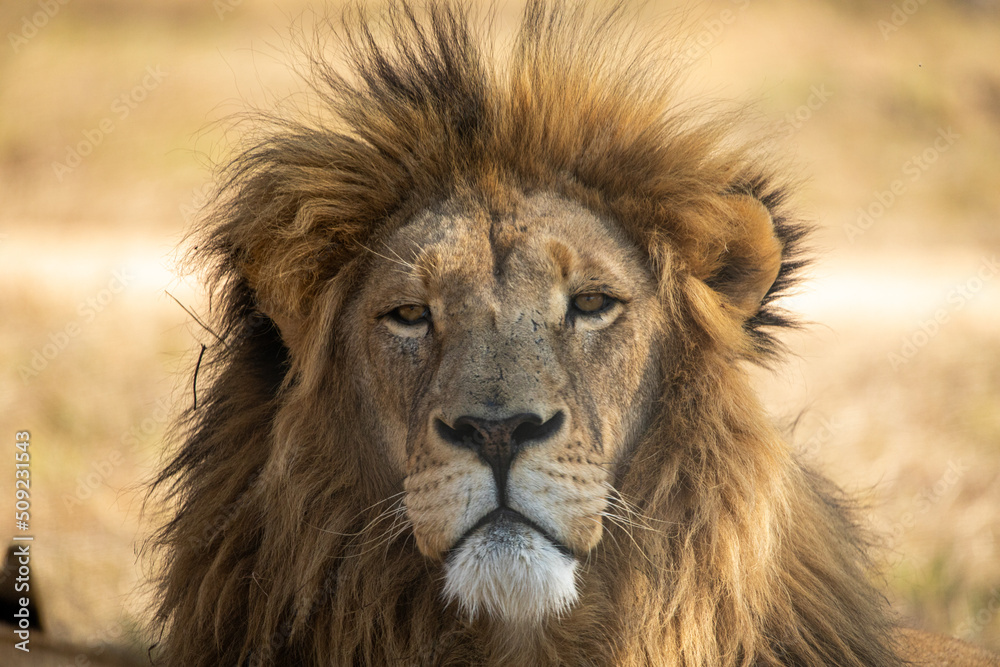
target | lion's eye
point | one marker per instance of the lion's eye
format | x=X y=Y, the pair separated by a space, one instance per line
x=411 y=313
x=592 y=303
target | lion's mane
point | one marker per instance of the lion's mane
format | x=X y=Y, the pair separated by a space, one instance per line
x=740 y=556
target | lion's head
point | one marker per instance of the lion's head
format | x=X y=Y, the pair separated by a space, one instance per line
x=481 y=395
x=511 y=349
x=508 y=346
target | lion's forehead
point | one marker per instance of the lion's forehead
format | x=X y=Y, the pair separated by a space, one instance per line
x=513 y=265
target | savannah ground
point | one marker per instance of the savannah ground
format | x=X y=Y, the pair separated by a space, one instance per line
x=107 y=130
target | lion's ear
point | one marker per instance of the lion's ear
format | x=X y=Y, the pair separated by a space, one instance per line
x=287 y=324
x=282 y=300
x=748 y=261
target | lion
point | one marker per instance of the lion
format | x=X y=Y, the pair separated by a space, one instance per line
x=481 y=395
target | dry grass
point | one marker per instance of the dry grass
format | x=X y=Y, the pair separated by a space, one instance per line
x=919 y=442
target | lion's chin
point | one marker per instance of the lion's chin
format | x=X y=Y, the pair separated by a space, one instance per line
x=510 y=572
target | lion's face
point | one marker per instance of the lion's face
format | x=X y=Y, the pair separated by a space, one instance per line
x=514 y=360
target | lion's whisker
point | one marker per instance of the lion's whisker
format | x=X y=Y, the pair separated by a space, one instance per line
x=621 y=523
x=410 y=268
x=396 y=510
x=615 y=497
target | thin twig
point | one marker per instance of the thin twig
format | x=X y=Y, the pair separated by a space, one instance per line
x=197 y=319
x=194 y=382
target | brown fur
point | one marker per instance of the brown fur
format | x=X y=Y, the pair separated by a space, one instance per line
x=280 y=551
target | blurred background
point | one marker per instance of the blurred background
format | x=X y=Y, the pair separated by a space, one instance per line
x=889 y=112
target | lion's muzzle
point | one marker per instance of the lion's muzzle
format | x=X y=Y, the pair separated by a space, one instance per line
x=497 y=442
x=506 y=563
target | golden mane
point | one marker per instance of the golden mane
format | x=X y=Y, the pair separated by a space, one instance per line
x=746 y=557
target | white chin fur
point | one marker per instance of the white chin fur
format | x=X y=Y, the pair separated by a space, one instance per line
x=510 y=572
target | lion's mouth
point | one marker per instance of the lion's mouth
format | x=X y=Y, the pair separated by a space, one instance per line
x=508 y=567
x=500 y=523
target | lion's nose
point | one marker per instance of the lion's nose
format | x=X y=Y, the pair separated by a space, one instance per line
x=497 y=441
